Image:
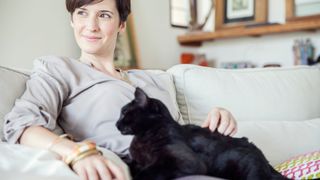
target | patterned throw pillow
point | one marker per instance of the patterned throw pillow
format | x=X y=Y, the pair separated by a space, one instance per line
x=306 y=166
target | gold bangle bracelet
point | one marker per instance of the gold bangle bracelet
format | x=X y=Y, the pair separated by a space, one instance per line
x=79 y=149
x=84 y=155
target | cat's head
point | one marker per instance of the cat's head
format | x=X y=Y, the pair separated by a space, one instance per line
x=141 y=114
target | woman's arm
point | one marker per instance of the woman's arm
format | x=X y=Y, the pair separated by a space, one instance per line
x=40 y=137
x=93 y=166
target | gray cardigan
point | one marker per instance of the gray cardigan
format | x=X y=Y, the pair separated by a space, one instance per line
x=83 y=101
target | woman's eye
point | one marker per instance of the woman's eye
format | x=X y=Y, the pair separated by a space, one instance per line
x=104 y=15
x=81 y=13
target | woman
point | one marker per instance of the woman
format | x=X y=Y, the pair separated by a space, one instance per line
x=85 y=97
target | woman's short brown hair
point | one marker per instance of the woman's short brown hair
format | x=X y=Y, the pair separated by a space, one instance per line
x=123 y=6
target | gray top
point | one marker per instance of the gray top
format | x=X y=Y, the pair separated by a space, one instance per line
x=86 y=103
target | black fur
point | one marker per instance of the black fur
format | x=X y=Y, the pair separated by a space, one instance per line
x=162 y=149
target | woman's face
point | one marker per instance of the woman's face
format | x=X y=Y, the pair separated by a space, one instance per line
x=96 y=27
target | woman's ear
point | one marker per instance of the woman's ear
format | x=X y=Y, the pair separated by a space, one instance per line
x=71 y=24
x=122 y=27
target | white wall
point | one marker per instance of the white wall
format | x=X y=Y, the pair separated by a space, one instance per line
x=33 y=28
x=156 y=39
x=159 y=47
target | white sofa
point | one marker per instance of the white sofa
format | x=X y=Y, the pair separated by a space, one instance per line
x=276 y=108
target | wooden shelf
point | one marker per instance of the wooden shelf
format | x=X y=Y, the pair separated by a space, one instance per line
x=196 y=38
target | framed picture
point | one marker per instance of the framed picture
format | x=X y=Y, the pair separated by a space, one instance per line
x=126 y=54
x=238 y=11
x=302 y=9
x=179 y=13
x=235 y=13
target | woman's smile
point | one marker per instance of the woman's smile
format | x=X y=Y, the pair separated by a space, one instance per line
x=91 y=38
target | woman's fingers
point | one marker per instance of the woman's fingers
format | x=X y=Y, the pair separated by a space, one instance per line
x=206 y=123
x=81 y=172
x=103 y=170
x=235 y=130
x=232 y=126
x=230 y=129
x=215 y=119
x=224 y=122
x=221 y=120
x=116 y=171
x=212 y=120
x=92 y=173
x=97 y=167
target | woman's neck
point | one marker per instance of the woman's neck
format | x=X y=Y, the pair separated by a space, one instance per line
x=100 y=63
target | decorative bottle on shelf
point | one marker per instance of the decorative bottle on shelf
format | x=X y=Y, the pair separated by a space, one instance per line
x=194 y=24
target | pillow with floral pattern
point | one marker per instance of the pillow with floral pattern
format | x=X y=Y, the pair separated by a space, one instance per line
x=305 y=166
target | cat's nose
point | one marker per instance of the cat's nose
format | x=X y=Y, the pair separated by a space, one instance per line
x=118 y=125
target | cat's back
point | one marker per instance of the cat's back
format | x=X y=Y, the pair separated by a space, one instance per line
x=203 y=137
x=191 y=130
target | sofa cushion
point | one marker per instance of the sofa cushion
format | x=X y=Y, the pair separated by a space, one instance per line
x=283 y=139
x=265 y=94
x=12 y=85
x=167 y=83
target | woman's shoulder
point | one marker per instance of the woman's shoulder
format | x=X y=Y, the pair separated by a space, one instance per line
x=53 y=61
x=58 y=67
x=56 y=64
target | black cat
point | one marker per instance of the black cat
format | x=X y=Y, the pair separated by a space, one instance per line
x=162 y=149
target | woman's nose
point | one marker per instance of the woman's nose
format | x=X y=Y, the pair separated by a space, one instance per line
x=92 y=24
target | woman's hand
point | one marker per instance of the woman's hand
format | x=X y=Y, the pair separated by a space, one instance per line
x=97 y=167
x=222 y=120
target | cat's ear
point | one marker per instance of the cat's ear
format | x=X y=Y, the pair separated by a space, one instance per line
x=141 y=97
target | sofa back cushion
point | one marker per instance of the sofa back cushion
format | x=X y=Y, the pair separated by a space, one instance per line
x=268 y=94
x=12 y=85
x=276 y=108
x=167 y=83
